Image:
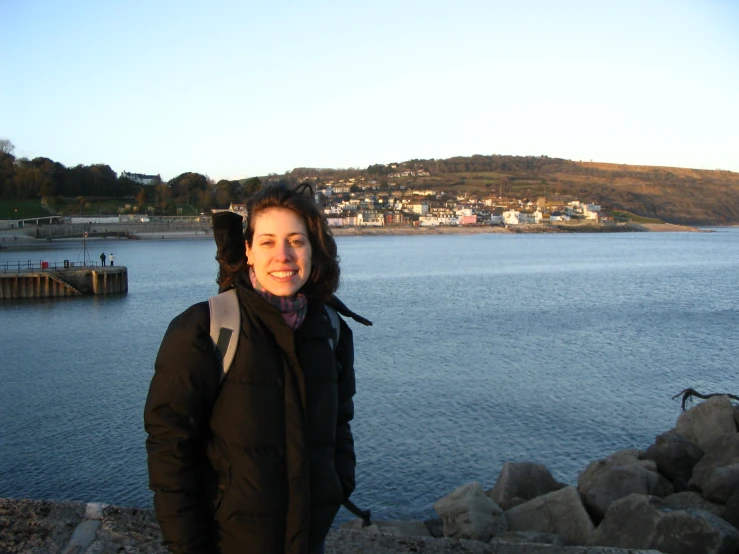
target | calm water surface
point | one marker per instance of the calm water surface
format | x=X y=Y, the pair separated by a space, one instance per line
x=486 y=348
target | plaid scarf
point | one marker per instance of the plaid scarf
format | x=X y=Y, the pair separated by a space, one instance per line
x=293 y=308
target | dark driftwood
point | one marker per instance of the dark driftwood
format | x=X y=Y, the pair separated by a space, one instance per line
x=688 y=394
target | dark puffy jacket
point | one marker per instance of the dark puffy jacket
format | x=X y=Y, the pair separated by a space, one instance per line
x=261 y=462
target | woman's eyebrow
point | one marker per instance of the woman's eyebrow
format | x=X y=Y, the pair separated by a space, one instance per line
x=289 y=234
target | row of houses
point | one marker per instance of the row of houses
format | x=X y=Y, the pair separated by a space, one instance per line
x=388 y=209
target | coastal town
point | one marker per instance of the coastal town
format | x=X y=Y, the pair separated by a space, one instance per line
x=352 y=203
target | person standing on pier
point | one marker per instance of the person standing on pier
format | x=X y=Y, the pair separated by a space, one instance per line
x=102 y=259
x=111 y=259
x=260 y=458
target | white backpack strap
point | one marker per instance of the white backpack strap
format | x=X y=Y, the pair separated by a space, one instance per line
x=333 y=315
x=225 y=321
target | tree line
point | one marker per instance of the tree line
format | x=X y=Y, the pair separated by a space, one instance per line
x=21 y=178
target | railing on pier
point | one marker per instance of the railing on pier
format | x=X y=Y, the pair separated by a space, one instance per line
x=43 y=266
x=41 y=279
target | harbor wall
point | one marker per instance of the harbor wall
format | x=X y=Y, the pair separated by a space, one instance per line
x=62 y=283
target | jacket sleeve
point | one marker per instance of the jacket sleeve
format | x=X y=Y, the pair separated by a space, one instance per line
x=346 y=461
x=176 y=415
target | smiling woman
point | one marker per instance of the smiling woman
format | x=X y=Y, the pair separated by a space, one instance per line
x=258 y=460
x=280 y=253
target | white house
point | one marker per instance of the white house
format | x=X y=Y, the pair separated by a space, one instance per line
x=370 y=219
x=591 y=211
x=142 y=179
x=511 y=217
x=428 y=221
x=420 y=208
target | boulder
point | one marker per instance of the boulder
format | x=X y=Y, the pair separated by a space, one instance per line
x=721 y=483
x=694 y=531
x=629 y=522
x=631 y=456
x=617 y=482
x=689 y=500
x=703 y=423
x=435 y=527
x=732 y=510
x=468 y=514
x=722 y=451
x=527 y=537
x=675 y=457
x=559 y=513
x=398 y=528
x=638 y=522
x=521 y=481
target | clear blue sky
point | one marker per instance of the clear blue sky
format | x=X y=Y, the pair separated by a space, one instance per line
x=240 y=88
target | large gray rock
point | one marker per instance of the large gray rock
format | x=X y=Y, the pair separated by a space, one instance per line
x=396 y=527
x=631 y=456
x=703 y=423
x=559 y=513
x=732 y=510
x=722 y=451
x=617 y=482
x=435 y=527
x=638 y=522
x=689 y=500
x=522 y=481
x=630 y=522
x=693 y=532
x=722 y=483
x=675 y=457
x=527 y=537
x=468 y=514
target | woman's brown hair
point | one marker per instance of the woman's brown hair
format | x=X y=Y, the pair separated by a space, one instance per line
x=324 y=277
x=228 y=230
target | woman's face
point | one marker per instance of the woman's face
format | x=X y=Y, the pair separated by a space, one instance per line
x=280 y=251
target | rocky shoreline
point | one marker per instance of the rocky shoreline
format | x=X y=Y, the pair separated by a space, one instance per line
x=678 y=496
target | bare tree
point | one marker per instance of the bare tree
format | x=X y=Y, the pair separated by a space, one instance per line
x=6 y=147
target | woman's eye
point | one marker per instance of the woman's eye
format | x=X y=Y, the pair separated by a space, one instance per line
x=266 y=243
x=296 y=242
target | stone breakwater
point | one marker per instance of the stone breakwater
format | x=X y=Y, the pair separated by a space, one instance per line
x=679 y=496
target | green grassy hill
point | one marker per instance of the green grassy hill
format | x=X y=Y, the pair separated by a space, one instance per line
x=21 y=209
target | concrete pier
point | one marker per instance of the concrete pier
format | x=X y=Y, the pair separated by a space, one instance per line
x=45 y=283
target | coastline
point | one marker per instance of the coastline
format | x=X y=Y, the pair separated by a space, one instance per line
x=681 y=488
x=14 y=240
x=673 y=487
x=519 y=229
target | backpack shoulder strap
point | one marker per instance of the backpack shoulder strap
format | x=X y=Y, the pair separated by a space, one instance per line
x=225 y=321
x=333 y=315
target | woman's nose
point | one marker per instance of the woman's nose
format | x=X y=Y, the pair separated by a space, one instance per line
x=284 y=251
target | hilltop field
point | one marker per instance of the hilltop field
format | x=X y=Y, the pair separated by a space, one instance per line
x=643 y=193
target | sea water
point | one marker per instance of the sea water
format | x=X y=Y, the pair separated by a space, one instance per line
x=557 y=349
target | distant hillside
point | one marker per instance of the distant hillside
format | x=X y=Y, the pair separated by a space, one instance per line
x=675 y=195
